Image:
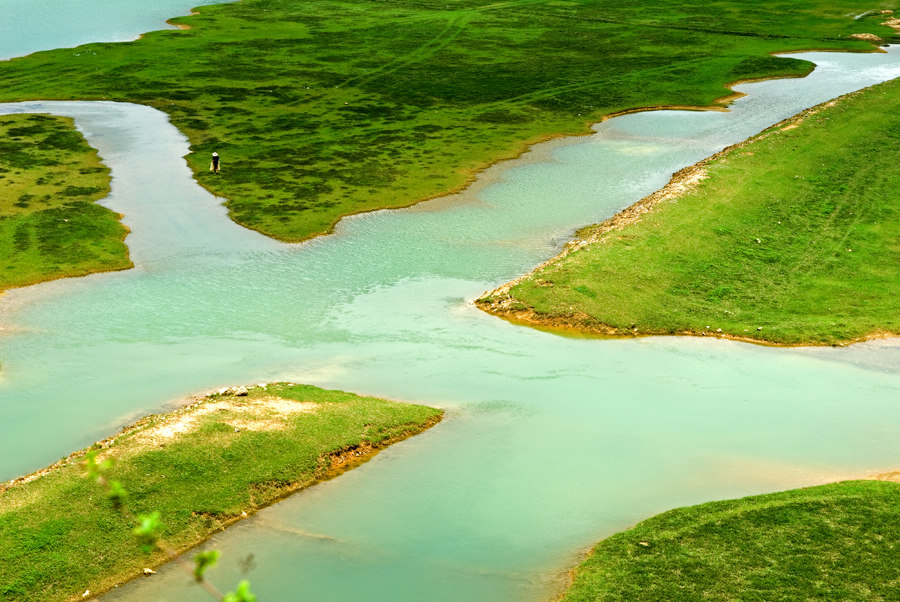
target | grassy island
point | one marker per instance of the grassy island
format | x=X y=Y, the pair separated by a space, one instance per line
x=328 y=108
x=832 y=542
x=201 y=467
x=50 y=224
x=789 y=238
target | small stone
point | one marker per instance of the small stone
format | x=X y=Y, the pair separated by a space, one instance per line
x=86 y=593
x=718 y=330
x=240 y=391
x=646 y=544
x=759 y=328
x=149 y=571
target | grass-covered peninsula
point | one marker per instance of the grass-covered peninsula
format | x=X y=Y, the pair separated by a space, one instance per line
x=50 y=224
x=323 y=109
x=201 y=467
x=790 y=238
x=832 y=542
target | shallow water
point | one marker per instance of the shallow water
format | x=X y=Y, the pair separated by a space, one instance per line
x=27 y=26
x=549 y=443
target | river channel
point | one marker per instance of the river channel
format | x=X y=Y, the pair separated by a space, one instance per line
x=549 y=443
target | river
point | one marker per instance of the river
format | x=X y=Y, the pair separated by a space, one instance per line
x=28 y=26
x=549 y=444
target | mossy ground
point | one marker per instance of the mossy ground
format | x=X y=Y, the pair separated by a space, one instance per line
x=833 y=542
x=60 y=535
x=791 y=239
x=323 y=109
x=50 y=224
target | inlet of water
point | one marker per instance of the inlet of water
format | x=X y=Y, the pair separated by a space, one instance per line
x=549 y=444
x=28 y=26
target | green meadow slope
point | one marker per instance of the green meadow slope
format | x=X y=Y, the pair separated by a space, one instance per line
x=833 y=542
x=323 y=109
x=791 y=239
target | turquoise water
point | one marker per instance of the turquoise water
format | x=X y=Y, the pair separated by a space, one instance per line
x=549 y=443
x=27 y=26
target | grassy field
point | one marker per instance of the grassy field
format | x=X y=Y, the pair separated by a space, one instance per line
x=201 y=467
x=833 y=542
x=50 y=225
x=791 y=239
x=323 y=109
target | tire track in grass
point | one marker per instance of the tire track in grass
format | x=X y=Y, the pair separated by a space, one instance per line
x=550 y=92
x=454 y=27
x=811 y=259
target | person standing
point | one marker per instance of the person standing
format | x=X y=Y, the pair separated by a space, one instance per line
x=214 y=167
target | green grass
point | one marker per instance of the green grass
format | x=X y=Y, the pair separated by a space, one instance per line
x=792 y=239
x=60 y=535
x=50 y=225
x=323 y=109
x=833 y=542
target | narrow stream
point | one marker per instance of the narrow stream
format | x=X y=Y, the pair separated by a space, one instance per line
x=549 y=444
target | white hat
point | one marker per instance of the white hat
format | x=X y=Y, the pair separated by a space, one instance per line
x=215 y=154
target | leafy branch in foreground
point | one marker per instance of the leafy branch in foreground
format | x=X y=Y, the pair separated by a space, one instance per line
x=200 y=481
x=148 y=532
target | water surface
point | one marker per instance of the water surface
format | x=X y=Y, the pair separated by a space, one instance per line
x=549 y=443
x=27 y=26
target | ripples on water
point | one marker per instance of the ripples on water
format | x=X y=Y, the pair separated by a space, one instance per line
x=549 y=443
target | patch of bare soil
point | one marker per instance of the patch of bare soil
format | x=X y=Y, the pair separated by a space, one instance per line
x=867 y=37
x=232 y=405
x=258 y=414
x=892 y=22
x=893 y=475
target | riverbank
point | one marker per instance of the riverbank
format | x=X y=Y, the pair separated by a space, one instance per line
x=205 y=466
x=784 y=239
x=696 y=416
x=827 y=542
x=379 y=122
x=50 y=223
